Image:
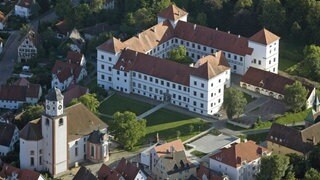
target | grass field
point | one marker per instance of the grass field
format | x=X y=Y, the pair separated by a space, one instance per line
x=291 y=53
x=167 y=123
x=121 y=104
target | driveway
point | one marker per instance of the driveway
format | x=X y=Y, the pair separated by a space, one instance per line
x=9 y=56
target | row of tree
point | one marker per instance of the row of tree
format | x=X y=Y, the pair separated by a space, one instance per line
x=291 y=166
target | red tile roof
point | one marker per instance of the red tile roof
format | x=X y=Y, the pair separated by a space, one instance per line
x=128 y=170
x=237 y=153
x=65 y=70
x=74 y=91
x=74 y=57
x=172 y=12
x=264 y=37
x=24 y=174
x=2 y=16
x=106 y=173
x=212 y=38
x=63 y=27
x=207 y=67
x=270 y=81
x=113 y=45
x=19 y=91
x=166 y=148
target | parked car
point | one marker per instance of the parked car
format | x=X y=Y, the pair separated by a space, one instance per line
x=217 y=116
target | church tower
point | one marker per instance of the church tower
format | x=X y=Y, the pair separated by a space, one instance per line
x=54 y=132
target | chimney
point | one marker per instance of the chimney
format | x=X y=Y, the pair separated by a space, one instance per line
x=314 y=140
x=228 y=32
x=259 y=150
x=217 y=28
x=137 y=165
x=136 y=53
x=239 y=36
x=158 y=140
x=194 y=27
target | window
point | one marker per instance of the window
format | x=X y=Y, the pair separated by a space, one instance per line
x=110 y=59
x=193 y=45
x=255 y=61
x=157 y=81
x=241 y=58
x=194 y=93
x=139 y=76
x=173 y=86
x=204 y=48
x=187 y=43
x=118 y=72
x=168 y=84
x=47 y=122
x=145 y=77
x=76 y=151
x=229 y=55
x=259 y=62
x=201 y=95
x=162 y=82
x=109 y=68
x=60 y=122
x=274 y=59
x=102 y=66
x=32 y=161
x=219 y=90
x=269 y=61
x=195 y=83
x=235 y=67
x=102 y=76
x=235 y=57
x=92 y=151
x=40 y=160
x=194 y=103
x=84 y=148
x=150 y=79
x=31 y=152
x=40 y=151
x=199 y=47
x=102 y=56
x=202 y=85
x=201 y=105
x=110 y=78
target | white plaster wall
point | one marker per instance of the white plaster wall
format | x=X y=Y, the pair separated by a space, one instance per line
x=25 y=154
x=224 y=168
x=6 y=104
x=81 y=151
x=22 y=11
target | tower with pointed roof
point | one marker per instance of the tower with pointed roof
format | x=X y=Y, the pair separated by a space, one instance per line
x=54 y=132
x=173 y=14
x=314 y=115
x=265 y=53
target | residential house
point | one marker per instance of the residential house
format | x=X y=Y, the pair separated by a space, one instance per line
x=9 y=135
x=271 y=84
x=106 y=173
x=173 y=165
x=2 y=20
x=71 y=71
x=62 y=29
x=160 y=150
x=204 y=173
x=240 y=161
x=109 y=4
x=77 y=41
x=74 y=92
x=24 y=8
x=20 y=92
x=28 y=47
x=60 y=138
x=12 y=173
x=130 y=171
x=285 y=140
x=84 y=173
x=138 y=64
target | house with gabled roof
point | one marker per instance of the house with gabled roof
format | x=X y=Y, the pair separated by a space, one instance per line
x=273 y=85
x=240 y=160
x=68 y=72
x=84 y=173
x=198 y=88
x=23 y=8
x=10 y=172
x=20 y=92
x=28 y=47
x=62 y=137
x=9 y=135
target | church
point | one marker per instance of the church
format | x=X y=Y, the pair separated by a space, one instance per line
x=62 y=137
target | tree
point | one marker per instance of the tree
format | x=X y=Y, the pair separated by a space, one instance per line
x=90 y=101
x=63 y=8
x=179 y=55
x=312 y=174
x=243 y=4
x=272 y=15
x=273 y=167
x=201 y=19
x=295 y=96
x=299 y=165
x=81 y=12
x=312 y=57
x=97 y=5
x=314 y=158
x=290 y=176
x=31 y=112
x=127 y=129
x=234 y=102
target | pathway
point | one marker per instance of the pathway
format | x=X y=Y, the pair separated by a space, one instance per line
x=154 y=109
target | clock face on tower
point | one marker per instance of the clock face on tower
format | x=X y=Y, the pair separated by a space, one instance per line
x=59 y=107
x=48 y=107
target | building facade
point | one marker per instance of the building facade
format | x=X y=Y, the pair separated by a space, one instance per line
x=9 y=135
x=199 y=94
x=28 y=47
x=240 y=161
x=23 y=8
x=58 y=139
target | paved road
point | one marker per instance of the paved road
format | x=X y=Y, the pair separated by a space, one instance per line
x=9 y=56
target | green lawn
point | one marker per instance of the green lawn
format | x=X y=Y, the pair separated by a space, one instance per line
x=167 y=123
x=258 y=137
x=120 y=103
x=290 y=118
x=290 y=54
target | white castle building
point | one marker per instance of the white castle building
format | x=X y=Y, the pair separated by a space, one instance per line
x=62 y=137
x=138 y=64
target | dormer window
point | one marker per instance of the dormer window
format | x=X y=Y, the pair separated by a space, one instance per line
x=60 y=122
